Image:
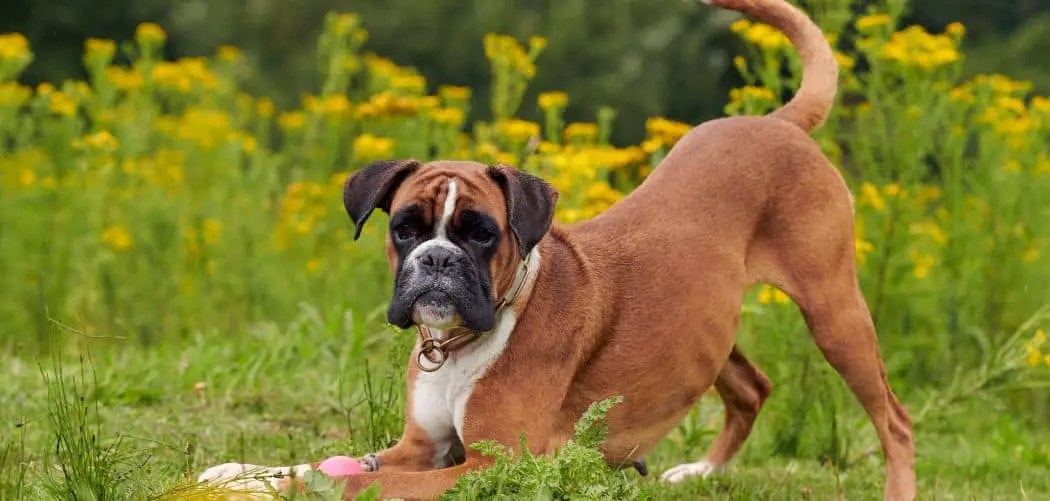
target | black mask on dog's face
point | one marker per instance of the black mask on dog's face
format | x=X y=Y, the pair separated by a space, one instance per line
x=446 y=241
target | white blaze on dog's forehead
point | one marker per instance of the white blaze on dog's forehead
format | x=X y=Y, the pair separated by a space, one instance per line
x=448 y=210
x=440 y=231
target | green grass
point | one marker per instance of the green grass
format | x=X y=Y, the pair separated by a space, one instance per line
x=135 y=423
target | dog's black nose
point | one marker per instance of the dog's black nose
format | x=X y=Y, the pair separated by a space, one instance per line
x=437 y=259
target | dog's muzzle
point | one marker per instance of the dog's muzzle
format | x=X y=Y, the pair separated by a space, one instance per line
x=440 y=286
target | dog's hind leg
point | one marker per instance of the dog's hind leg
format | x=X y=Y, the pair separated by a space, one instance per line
x=806 y=247
x=743 y=389
x=842 y=328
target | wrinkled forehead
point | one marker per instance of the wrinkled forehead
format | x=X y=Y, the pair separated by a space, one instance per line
x=440 y=188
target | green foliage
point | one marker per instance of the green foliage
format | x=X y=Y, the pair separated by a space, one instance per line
x=88 y=465
x=576 y=471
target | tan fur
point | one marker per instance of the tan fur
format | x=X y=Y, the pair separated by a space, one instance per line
x=644 y=300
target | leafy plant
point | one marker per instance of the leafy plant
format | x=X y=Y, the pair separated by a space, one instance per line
x=576 y=471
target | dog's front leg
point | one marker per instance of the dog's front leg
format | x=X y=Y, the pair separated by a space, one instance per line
x=416 y=485
x=414 y=451
x=493 y=413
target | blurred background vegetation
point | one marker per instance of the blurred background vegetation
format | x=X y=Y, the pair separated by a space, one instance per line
x=639 y=55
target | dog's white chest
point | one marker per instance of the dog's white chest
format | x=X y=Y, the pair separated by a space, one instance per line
x=439 y=399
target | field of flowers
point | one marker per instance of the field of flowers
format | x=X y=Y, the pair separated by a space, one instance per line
x=157 y=203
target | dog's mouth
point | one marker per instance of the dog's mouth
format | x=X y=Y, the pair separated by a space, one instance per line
x=441 y=308
x=436 y=310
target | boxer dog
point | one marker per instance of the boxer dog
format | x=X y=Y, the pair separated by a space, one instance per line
x=524 y=323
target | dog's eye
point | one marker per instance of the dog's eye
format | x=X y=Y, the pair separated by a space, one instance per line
x=403 y=232
x=481 y=236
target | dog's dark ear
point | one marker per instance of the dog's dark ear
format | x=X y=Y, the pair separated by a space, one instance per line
x=373 y=187
x=530 y=204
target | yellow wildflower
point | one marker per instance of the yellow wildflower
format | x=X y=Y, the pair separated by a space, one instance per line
x=1041 y=104
x=769 y=295
x=537 y=43
x=117 y=237
x=923 y=264
x=845 y=61
x=292 y=120
x=764 y=36
x=123 y=79
x=955 y=29
x=62 y=104
x=203 y=126
x=862 y=248
x=869 y=195
x=228 y=53
x=1010 y=103
x=368 y=147
x=14 y=47
x=914 y=47
x=264 y=107
x=13 y=95
x=429 y=102
x=1043 y=167
x=505 y=158
x=928 y=194
x=1001 y=84
x=381 y=66
x=448 y=116
x=99 y=50
x=740 y=63
x=414 y=84
x=552 y=100
x=335 y=105
x=870 y=22
x=1032 y=347
x=547 y=147
x=346 y=22
x=517 y=130
x=930 y=229
x=248 y=143
x=740 y=25
x=962 y=94
x=505 y=51
x=211 y=230
x=1031 y=255
x=26 y=178
x=183 y=74
x=668 y=132
x=101 y=140
x=651 y=145
x=454 y=93
x=582 y=131
x=150 y=34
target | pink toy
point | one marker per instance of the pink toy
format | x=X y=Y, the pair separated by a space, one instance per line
x=340 y=466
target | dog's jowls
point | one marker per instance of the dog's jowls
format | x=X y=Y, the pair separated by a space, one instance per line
x=642 y=301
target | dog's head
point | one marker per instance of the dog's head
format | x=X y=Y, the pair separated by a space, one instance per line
x=458 y=234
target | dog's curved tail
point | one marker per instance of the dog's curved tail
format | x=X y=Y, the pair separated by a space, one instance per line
x=820 y=72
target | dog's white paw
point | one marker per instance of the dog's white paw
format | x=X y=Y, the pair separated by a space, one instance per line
x=688 y=470
x=250 y=478
x=370 y=463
